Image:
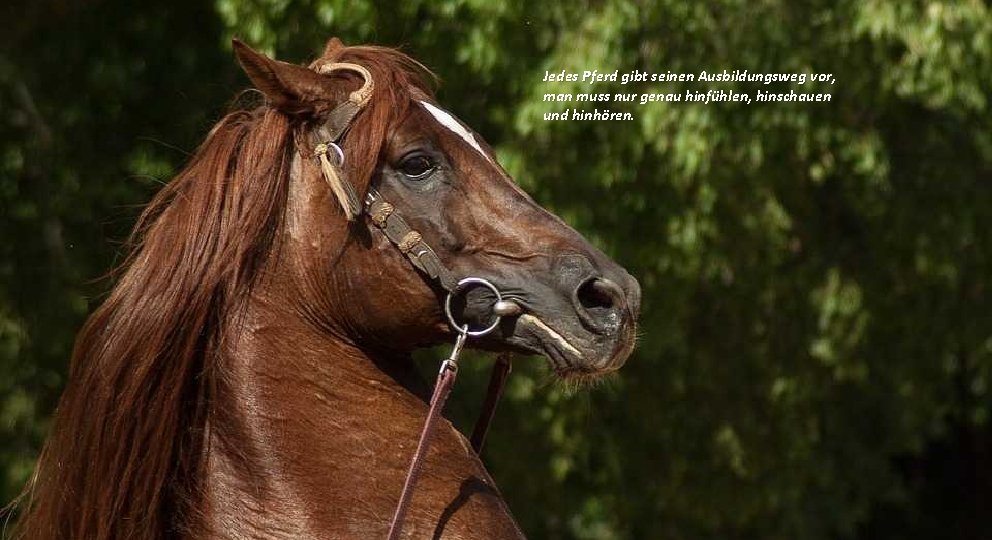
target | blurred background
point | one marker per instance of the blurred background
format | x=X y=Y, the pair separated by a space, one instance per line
x=816 y=343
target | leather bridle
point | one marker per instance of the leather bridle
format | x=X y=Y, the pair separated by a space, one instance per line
x=411 y=244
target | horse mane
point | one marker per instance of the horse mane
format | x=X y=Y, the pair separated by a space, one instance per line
x=127 y=443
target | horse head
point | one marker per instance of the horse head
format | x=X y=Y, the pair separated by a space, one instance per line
x=576 y=306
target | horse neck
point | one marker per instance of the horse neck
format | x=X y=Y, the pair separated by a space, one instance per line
x=312 y=435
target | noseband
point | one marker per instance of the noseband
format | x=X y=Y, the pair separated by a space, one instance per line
x=411 y=243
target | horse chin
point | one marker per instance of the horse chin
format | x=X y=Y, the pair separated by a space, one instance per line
x=573 y=353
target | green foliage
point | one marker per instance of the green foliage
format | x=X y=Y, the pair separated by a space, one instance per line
x=814 y=339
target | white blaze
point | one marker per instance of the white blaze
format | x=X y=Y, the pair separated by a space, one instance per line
x=447 y=120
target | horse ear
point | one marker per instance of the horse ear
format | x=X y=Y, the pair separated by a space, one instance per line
x=333 y=46
x=290 y=88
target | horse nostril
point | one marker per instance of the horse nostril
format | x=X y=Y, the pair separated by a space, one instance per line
x=598 y=293
x=598 y=300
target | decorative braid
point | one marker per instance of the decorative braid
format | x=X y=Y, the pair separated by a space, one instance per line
x=361 y=96
x=343 y=191
x=411 y=239
x=380 y=216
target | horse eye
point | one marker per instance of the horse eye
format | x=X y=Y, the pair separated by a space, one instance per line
x=417 y=167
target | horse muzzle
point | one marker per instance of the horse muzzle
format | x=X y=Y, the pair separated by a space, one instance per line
x=582 y=319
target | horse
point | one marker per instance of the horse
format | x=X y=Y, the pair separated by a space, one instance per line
x=250 y=374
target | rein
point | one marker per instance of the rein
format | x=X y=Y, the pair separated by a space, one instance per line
x=411 y=244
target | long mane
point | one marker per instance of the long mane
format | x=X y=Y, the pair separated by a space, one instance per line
x=127 y=444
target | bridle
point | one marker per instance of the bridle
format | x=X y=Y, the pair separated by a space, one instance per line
x=411 y=244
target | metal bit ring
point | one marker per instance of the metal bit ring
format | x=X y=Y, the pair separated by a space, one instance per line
x=462 y=286
x=338 y=151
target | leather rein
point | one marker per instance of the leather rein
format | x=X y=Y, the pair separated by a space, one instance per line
x=411 y=244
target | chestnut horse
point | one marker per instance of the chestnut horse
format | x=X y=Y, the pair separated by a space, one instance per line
x=250 y=375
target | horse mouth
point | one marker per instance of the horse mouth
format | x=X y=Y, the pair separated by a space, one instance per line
x=571 y=352
x=584 y=335
x=563 y=356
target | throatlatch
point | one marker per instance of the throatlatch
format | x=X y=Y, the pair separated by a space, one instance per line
x=331 y=133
